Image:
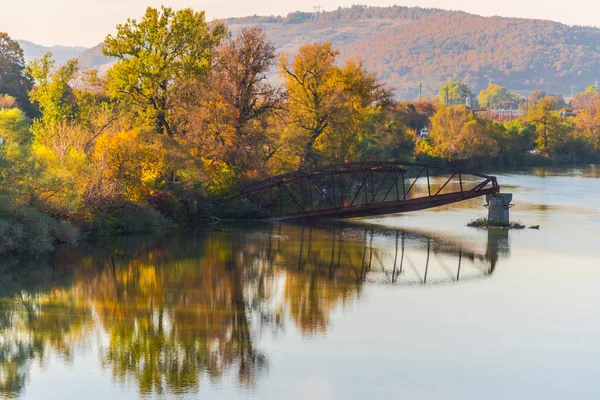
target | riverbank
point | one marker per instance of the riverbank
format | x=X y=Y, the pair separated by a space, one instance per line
x=505 y=162
x=27 y=232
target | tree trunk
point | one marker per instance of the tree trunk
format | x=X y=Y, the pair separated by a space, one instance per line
x=308 y=148
x=160 y=104
x=162 y=126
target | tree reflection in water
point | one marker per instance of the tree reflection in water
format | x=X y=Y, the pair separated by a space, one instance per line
x=39 y=312
x=180 y=308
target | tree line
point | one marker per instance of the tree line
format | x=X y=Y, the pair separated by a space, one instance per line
x=188 y=111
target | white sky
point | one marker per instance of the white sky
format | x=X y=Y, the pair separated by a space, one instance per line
x=87 y=22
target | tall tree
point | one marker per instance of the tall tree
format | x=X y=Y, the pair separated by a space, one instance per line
x=14 y=81
x=16 y=167
x=325 y=101
x=243 y=63
x=554 y=133
x=154 y=53
x=228 y=116
x=55 y=99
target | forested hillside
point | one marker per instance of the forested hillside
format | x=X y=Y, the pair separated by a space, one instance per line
x=409 y=46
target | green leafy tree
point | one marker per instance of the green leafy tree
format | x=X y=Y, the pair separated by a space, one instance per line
x=16 y=167
x=520 y=137
x=52 y=94
x=14 y=81
x=58 y=138
x=154 y=53
x=496 y=96
x=454 y=93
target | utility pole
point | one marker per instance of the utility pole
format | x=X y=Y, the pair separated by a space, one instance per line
x=447 y=96
x=545 y=135
x=420 y=90
x=317 y=10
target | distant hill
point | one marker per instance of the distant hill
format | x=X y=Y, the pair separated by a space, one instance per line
x=409 y=46
x=88 y=58
x=93 y=58
x=60 y=53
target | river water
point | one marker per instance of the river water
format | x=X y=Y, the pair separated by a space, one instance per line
x=414 y=306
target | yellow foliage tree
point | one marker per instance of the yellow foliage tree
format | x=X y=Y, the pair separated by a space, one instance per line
x=458 y=135
x=131 y=163
x=326 y=104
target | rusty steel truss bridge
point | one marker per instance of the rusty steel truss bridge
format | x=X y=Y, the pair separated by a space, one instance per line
x=357 y=190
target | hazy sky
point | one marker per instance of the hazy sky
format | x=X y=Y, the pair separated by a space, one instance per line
x=87 y=22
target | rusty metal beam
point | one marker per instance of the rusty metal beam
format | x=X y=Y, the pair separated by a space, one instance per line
x=390 y=207
x=262 y=192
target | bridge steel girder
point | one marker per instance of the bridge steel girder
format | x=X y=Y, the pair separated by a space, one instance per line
x=390 y=207
x=292 y=190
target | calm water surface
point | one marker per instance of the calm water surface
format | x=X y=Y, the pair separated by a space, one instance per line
x=413 y=306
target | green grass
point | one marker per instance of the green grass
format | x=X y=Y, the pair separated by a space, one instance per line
x=490 y=223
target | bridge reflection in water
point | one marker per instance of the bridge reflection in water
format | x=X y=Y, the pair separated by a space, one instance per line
x=382 y=256
x=180 y=309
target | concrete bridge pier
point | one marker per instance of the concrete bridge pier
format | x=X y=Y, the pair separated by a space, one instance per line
x=498 y=205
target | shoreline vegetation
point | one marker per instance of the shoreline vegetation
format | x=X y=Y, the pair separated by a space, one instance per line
x=187 y=112
x=485 y=223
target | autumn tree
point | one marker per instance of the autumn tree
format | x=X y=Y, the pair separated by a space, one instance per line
x=553 y=132
x=587 y=124
x=458 y=135
x=588 y=100
x=587 y=121
x=14 y=81
x=446 y=126
x=74 y=111
x=131 y=163
x=228 y=116
x=325 y=102
x=157 y=51
x=535 y=96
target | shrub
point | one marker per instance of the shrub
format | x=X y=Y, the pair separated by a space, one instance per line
x=127 y=218
x=490 y=223
x=28 y=231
